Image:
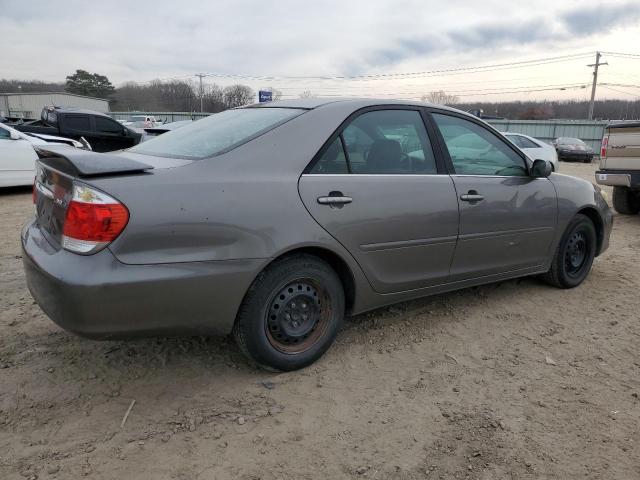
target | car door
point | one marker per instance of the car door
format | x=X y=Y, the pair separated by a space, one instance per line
x=76 y=126
x=17 y=160
x=507 y=218
x=377 y=188
x=111 y=135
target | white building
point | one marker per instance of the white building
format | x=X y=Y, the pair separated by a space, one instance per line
x=29 y=105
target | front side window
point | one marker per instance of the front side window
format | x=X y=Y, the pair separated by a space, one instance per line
x=4 y=134
x=217 y=133
x=474 y=150
x=389 y=142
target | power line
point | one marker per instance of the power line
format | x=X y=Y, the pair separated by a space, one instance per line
x=622 y=55
x=428 y=73
x=418 y=95
x=621 y=91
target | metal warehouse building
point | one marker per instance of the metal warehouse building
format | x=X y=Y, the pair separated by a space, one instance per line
x=29 y=105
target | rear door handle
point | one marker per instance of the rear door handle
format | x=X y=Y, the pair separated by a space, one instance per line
x=471 y=196
x=331 y=200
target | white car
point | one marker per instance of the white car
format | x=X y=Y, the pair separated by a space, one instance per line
x=534 y=149
x=18 y=158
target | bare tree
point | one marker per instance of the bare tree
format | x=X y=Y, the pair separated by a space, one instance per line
x=440 y=98
x=213 y=99
x=237 y=95
x=307 y=94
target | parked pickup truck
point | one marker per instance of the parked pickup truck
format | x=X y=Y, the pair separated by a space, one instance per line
x=620 y=165
x=101 y=131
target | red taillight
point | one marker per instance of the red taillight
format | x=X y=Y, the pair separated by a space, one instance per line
x=93 y=219
x=603 y=147
x=95 y=223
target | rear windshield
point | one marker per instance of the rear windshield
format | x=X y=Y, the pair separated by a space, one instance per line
x=217 y=133
x=570 y=141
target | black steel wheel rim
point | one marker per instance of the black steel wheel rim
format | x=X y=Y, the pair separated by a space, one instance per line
x=576 y=253
x=297 y=316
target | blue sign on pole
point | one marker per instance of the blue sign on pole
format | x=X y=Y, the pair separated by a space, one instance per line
x=264 y=96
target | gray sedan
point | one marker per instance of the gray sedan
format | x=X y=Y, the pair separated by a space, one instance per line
x=275 y=221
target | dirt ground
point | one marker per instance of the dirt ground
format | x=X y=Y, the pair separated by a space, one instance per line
x=507 y=381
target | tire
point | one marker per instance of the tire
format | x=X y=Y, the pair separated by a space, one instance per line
x=574 y=256
x=291 y=314
x=626 y=201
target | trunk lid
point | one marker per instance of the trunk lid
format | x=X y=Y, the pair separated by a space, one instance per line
x=623 y=148
x=57 y=168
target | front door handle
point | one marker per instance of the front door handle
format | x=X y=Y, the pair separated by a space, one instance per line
x=471 y=196
x=334 y=200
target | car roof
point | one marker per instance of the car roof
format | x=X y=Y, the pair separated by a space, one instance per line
x=76 y=110
x=311 y=103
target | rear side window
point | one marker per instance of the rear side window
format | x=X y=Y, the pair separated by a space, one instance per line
x=524 y=142
x=217 y=133
x=107 y=126
x=389 y=142
x=380 y=142
x=77 y=122
x=333 y=160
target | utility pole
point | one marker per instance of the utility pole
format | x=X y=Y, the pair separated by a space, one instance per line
x=595 y=82
x=201 y=76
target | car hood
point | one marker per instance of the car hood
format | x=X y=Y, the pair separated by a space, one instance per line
x=41 y=138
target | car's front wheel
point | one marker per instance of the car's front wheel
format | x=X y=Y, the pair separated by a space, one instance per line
x=291 y=314
x=574 y=256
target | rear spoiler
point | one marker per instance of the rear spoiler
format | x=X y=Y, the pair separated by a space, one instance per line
x=84 y=164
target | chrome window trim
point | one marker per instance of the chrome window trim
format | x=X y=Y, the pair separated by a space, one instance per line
x=415 y=175
x=496 y=176
x=374 y=175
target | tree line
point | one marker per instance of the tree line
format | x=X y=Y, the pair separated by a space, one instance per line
x=572 y=109
x=186 y=96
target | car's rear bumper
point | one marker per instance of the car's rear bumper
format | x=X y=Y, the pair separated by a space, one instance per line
x=618 y=178
x=99 y=297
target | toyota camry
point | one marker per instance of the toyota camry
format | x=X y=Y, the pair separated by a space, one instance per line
x=275 y=221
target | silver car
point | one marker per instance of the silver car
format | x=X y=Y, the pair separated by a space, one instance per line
x=534 y=148
x=275 y=221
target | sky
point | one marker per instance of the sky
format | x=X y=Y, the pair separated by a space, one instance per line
x=275 y=43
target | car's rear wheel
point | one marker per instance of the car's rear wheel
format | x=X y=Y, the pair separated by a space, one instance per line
x=574 y=256
x=626 y=201
x=291 y=314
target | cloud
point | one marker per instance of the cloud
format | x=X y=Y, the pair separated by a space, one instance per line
x=590 y=20
x=153 y=39
x=543 y=29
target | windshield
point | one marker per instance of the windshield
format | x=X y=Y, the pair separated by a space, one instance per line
x=217 y=133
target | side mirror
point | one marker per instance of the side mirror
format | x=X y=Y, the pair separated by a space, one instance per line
x=541 y=169
x=14 y=135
